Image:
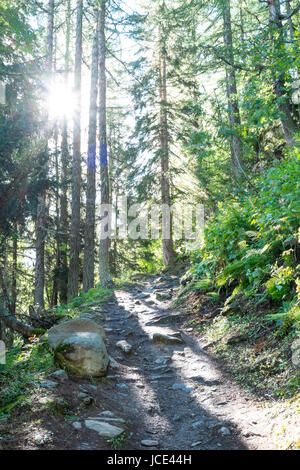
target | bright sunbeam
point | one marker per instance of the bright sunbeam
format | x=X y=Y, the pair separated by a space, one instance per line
x=60 y=102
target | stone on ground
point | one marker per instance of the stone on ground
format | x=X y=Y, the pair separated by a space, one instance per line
x=172 y=338
x=124 y=346
x=107 y=414
x=83 y=354
x=113 y=363
x=163 y=295
x=224 y=431
x=59 y=375
x=58 y=333
x=182 y=387
x=196 y=444
x=48 y=384
x=116 y=421
x=163 y=360
x=149 y=443
x=104 y=429
x=77 y=425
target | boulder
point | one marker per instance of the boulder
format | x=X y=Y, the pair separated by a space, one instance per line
x=58 y=333
x=83 y=354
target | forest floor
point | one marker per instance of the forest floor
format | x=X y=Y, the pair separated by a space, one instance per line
x=176 y=395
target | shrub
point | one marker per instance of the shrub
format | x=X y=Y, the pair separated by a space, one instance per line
x=253 y=242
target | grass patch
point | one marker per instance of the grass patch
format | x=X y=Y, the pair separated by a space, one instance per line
x=24 y=366
x=261 y=364
x=116 y=442
x=95 y=297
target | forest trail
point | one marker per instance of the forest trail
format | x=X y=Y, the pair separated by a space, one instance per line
x=174 y=395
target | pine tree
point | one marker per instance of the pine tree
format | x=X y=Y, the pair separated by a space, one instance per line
x=287 y=110
x=65 y=154
x=236 y=148
x=167 y=240
x=104 y=268
x=40 y=230
x=73 y=279
x=89 y=247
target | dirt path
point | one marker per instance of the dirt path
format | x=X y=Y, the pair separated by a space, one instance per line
x=173 y=394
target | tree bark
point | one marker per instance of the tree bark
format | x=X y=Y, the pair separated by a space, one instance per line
x=65 y=154
x=14 y=324
x=104 y=268
x=40 y=233
x=73 y=280
x=167 y=240
x=54 y=294
x=290 y=20
x=14 y=270
x=40 y=224
x=287 y=110
x=232 y=97
x=89 y=246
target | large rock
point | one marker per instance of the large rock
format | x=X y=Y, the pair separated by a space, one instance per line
x=83 y=354
x=58 y=333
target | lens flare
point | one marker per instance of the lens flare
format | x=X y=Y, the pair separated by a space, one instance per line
x=60 y=102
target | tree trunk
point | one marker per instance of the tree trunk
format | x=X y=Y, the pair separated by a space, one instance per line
x=104 y=268
x=167 y=239
x=64 y=225
x=287 y=110
x=89 y=246
x=14 y=270
x=14 y=324
x=231 y=91
x=40 y=225
x=290 y=20
x=54 y=294
x=40 y=233
x=73 y=280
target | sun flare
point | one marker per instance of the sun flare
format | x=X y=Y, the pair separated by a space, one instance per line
x=61 y=101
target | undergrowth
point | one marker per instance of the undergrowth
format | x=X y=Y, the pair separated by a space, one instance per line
x=26 y=364
x=252 y=244
x=93 y=298
x=250 y=259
